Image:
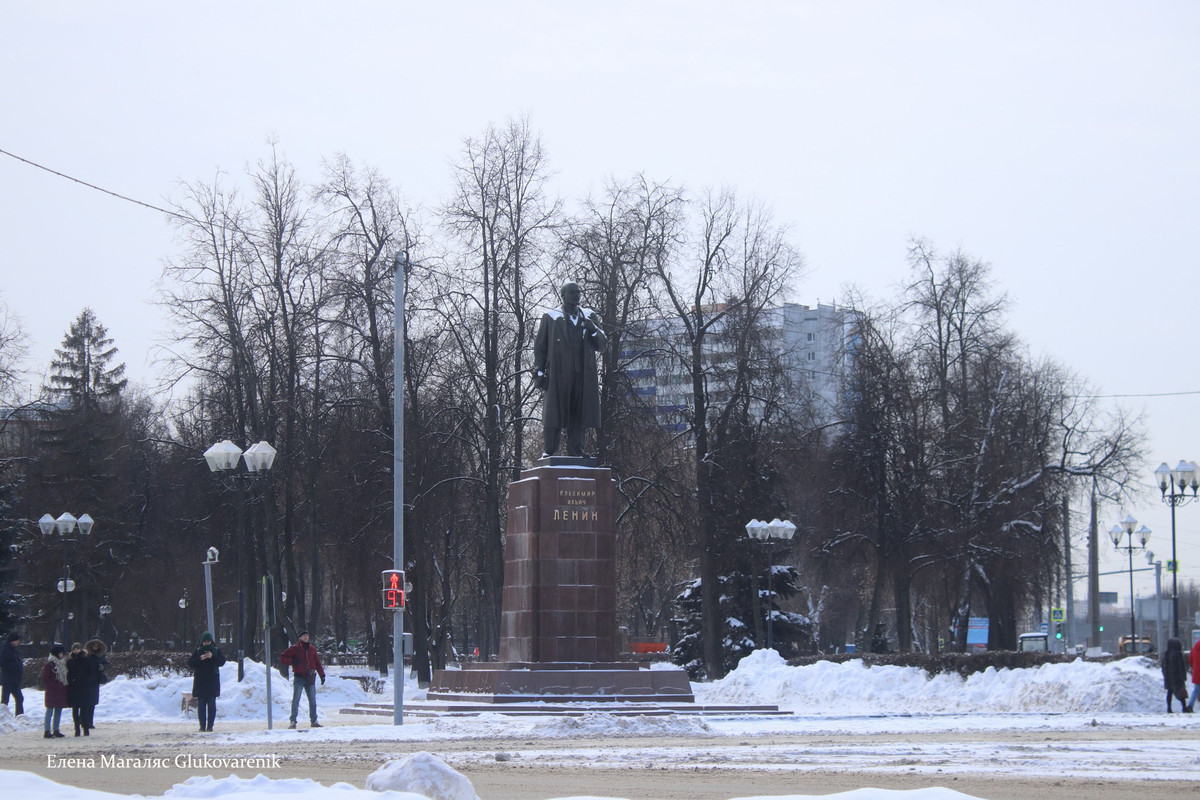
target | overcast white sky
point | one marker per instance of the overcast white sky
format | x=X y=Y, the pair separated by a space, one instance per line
x=1058 y=141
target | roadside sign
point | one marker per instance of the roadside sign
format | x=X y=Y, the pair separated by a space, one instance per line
x=1057 y=615
x=977 y=631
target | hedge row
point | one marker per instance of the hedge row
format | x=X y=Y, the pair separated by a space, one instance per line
x=962 y=663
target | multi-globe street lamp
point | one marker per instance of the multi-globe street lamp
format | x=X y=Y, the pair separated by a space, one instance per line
x=770 y=535
x=1174 y=483
x=65 y=525
x=223 y=457
x=1126 y=528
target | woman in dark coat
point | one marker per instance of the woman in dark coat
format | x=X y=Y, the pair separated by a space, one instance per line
x=206 y=665
x=96 y=650
x=1174 y=671
x=54 y=679
x=79 y=687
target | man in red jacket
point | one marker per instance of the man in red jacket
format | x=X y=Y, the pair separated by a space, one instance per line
x=306 y=666
x=1194 y=658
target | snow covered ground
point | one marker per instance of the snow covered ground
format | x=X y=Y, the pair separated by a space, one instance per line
x=825 y=698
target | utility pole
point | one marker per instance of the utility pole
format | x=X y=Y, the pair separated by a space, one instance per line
x=1094 y=574
x=398 y=489
x=1066 y=512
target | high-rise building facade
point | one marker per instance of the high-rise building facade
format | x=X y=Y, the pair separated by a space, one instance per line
x=811 y=343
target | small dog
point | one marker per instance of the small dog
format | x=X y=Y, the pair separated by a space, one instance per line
x=187 y=704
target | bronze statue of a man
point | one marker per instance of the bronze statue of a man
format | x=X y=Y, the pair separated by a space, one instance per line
x=564 y=363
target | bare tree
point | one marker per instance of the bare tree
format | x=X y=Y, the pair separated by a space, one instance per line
x=739 y=266
x=967 y=448
x=500 y=212
x=13 y=349
x=247 y=295
x=614 y=249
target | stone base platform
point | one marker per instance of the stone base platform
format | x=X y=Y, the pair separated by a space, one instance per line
x=618 y=709
x=562 y=682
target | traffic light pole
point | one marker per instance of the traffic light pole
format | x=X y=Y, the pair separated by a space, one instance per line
x=398 y=488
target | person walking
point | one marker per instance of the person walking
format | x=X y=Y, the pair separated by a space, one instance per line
x=12 y=671
x=206 y=665
x=96 y=651
x=1195 y=659
x=54 y=680
x=1174 y=672
x=306 y=666
x=79 y=692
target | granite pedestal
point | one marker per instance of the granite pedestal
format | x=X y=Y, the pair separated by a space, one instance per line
x=558 y=629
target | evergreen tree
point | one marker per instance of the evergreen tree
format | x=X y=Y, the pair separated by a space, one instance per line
x=11 y=603
x=791 y=630
x=79 y=438
x=81 y=376
x=84 y=461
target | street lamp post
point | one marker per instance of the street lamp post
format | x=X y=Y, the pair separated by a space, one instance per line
x=64 y=586
x=183 y=604
x=1126 y=528
x=65 y=524
x=105 y=610
x=770 y=535
x=1173 y=483
x=222 y=457
x=211 y=557
x=1158 y=620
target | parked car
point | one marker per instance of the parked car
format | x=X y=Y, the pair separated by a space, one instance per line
x=1127 y=646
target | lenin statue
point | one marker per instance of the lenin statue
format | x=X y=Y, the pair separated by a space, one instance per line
x=564 y=363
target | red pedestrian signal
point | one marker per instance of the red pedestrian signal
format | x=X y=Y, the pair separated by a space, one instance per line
x=393 y=589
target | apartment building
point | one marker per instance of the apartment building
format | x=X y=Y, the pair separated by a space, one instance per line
x=812 y=342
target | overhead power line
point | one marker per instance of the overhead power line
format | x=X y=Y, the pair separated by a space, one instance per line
x=109 y=192
x=1145 y=394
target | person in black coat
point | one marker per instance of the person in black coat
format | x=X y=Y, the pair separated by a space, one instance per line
x=96 y=651
x=206 y=665
x=12 y=670
x=80 y=676
x=1174 y=672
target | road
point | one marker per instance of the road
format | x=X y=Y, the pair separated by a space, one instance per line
x=1104 y=761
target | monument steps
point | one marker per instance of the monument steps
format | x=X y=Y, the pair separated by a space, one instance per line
x=537 y=706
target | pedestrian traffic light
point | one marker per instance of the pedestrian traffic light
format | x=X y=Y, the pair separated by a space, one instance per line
x=1058 y=631
x=393 y=589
